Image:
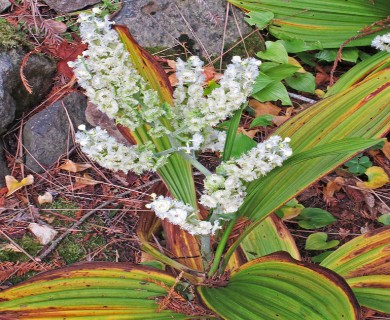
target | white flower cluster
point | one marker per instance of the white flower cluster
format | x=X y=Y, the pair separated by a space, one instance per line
x=214 y=140
x=227 y=193
x=197 y=111
x=105 y=150
x=111 y=81
x=382 y=42
x=226 y=189
x=182 y=215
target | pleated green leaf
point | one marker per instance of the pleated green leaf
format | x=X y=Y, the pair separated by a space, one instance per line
x=368 y=254
x=270 y=236
x=318 y=24
x=372 y=291
x=278 y=287
x=378 y=61
x=101 y=290
x=362 y=111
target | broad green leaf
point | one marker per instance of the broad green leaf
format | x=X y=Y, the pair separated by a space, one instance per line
x=372 y=291
x=210 y=87
x=320 y=257
x=231 y=135
x=278 y=71
x=320 y=24
x=275 y=52
x=304 y=82
x=242 y=144
x=329 y=55
x=367 y=254
x=318 y=241
x=272 y=92
x=262 y=121
x=260 y=19
x=278 y=287
x=360 y=111
x=262 y=81
x=313 y=218
x=100 y=290
x=384 y=219
x=270 y=236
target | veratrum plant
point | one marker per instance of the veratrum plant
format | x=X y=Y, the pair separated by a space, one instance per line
x=213 y=279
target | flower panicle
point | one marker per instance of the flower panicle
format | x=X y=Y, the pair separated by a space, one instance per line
x=182 y=215
x=99 y=146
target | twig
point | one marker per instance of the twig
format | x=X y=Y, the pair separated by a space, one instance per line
x=302 y=98
x=86 y=216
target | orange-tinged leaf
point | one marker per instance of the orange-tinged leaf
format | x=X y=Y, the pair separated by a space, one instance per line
x=264 y=108
x=14 y=185
x=377 y=178
x=86 y=179
x=71 y=166
x=47 y=197
x=386 y=149
x=333 y=186
x=147 y=65
x=249 y=133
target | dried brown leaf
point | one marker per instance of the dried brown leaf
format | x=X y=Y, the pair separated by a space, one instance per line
x=71 y=166
x=264 y=108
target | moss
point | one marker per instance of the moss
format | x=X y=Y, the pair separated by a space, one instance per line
x=10 y=38
x=28 y=243
x=253 y=44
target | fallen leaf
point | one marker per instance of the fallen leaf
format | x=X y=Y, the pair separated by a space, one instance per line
x=86 y=179
x=333 y=186
x=264 y=108
x=68 y=52
x=377 y=178
x=249 y=133
x=71 y=166
x=47 y=197
x=14 y=185
x=44 y=233
x=56 y=27
x=386 y=149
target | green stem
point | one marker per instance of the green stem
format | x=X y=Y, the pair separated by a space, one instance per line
x=221 y=248
x=205 y=247
x=195 y=163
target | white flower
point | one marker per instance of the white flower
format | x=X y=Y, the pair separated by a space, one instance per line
x=199 y=112
x=182 y=215
x=111 y=81
x=382 y=42
x=104 y=149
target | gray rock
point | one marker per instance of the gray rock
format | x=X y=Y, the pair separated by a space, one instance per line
x=14 y=98
x=69 y=5
x=160 y=23
x=46 y=134
x=3 y=166
x=4 y=4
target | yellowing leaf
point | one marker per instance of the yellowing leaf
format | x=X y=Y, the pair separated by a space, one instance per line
x=295 y=62
x=45 y=198
x=86 y=179
x=386 y=149
x=14 y=185
x=44 y=233
x=71 y=166
x=319 y=93
x=377 y=177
